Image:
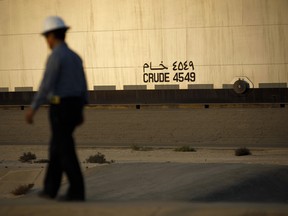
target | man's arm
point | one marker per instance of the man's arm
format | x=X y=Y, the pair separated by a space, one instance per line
x=48 y=82
x=47 y=85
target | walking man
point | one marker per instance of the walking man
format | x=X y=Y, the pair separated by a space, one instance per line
x=64 y=87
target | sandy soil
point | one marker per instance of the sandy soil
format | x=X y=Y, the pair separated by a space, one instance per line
x=9 y=155
x=227 y=127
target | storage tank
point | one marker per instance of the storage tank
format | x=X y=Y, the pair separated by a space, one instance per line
x=151 y=50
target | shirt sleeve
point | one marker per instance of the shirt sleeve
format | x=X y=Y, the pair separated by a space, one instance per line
x=48 y=82
x=86 y=96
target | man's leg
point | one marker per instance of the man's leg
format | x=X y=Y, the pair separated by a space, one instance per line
x=73 y=171
x=54 y=171
x=53 y=176
x=69 y=161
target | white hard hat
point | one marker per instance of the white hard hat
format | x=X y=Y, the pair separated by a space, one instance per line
x=52 y=23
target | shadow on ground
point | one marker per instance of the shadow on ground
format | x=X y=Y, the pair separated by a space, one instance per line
x=188 y=182
x=270 y=186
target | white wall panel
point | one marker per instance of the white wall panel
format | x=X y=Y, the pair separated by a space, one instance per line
x=224 y=38
x=126 y=14
x=151 y=46
x=21 y=78
x=276 y=39
x=226 y=74
x=212 y=46
x=214 y=13
x=11 y=52
x=265 y=12
x=5 y=79
x=26 y=16
x=34 y=52
x=76 y=13
x=217 y=75
x=175 y=46
x=4 y=17
x=90 y=78
x=252 y=48
x=266 y=74
x=174 y=13
x=238 y=45
x=22 y=52
x=117 y=77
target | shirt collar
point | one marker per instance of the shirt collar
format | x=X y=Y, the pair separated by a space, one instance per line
x=60 y=46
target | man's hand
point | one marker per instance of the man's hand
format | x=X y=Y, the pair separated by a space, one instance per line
x=30 y=116
x=81 y=120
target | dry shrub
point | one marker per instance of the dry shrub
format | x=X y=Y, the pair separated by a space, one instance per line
x=41 y=161
x=185 y=149
x=242 y=152
x=27 y=157
x=98 y=158
x=141 y=148
x=22 y=189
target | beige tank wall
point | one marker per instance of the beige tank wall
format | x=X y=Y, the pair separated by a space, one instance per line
x=225 y=39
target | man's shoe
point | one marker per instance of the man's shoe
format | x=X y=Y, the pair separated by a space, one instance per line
x=44 y=195
x=70 y=199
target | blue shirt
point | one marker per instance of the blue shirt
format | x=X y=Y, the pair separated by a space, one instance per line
x=64 y=77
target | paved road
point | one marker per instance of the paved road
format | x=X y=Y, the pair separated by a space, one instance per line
x=170 y=189
x=177 y=182
x=225 y=127
x=189 y=183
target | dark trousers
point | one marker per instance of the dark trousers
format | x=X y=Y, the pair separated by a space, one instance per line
x=64 y=118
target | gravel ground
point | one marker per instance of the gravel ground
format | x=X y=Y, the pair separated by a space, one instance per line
x=224 y=127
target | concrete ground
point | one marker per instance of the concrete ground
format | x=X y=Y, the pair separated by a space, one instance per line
x=156 y=182
x=189 y=183
x=210 y=181
x=142 y=209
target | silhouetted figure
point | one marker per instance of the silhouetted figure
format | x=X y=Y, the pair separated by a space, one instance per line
x=64 y=85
